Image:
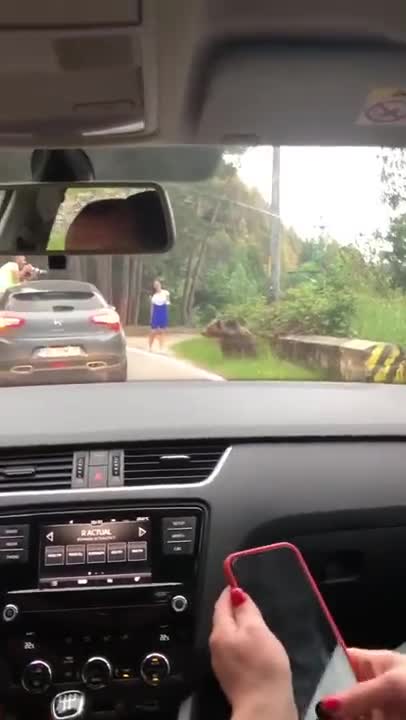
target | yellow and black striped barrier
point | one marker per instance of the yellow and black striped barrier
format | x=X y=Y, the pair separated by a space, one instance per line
x=386 y=363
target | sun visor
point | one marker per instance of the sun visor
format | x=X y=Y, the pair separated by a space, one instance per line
x=68 y=79
x=306 y=95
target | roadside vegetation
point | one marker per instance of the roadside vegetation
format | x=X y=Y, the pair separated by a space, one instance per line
x=206 y=353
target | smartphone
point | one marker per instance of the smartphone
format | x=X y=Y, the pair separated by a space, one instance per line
x=278 y=580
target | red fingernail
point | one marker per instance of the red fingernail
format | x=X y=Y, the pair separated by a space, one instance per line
x=238 y=596
x=331 y=705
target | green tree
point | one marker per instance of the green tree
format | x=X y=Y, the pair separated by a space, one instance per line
x=396 y=255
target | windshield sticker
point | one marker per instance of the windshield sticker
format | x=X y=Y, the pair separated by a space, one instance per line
x=385 y=106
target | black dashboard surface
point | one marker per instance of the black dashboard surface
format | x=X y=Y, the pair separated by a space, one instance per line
x=72 y=414
x=305 y=460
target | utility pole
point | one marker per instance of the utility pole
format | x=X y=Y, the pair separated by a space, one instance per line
x=274 y=262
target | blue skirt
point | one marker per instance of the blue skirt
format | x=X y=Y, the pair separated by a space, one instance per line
x=159 y=319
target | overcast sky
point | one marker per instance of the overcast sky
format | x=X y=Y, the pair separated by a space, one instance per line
x=339 y=188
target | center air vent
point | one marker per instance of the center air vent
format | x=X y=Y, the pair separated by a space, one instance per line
x=167 y=464
x=35 y=470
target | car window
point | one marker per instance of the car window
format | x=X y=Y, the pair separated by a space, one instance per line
x=53 y=300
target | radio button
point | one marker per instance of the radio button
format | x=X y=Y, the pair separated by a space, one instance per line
x=12 y=543
x=117 y=552
x=13 y=530
x=171 y=534
x=175 y=547
x=137 y=551
x=54 y=555
x=37 y=677
x=75 y=555
x=178 y=535
x=154 y=669
x=179 y=523
x=11 y=557
x=96 y=553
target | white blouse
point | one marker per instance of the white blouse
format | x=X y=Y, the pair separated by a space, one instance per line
x=161 y=298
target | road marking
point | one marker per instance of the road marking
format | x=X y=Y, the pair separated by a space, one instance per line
x=204 y=374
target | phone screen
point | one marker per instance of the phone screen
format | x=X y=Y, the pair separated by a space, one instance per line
x=277 y=582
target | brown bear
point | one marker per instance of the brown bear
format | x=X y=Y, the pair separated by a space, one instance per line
x=235 y=340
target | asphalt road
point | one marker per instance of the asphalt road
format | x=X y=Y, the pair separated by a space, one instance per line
x=143 y=365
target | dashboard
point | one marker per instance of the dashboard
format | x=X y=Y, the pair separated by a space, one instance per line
x=118 y=505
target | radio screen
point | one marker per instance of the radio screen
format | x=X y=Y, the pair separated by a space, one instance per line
x=95 y=554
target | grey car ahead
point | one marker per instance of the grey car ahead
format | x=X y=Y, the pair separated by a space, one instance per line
x=59 y=331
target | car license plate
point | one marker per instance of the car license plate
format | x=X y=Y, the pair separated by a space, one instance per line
x=59 y=352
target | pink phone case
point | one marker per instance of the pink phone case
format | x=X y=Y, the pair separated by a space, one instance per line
x=231 y=580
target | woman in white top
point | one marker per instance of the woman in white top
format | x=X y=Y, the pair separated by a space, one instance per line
x=159 y=314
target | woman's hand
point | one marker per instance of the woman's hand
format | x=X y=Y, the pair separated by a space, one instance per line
x=382 y=687
x=251 y=665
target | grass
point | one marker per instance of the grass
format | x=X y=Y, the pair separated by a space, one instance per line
x=381 y=319
x=267 y=366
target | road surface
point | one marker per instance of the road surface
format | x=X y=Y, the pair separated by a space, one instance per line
x=143 y=365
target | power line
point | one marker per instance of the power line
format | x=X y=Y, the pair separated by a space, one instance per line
x=225 y=199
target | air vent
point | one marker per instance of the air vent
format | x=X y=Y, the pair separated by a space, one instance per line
x=167 y=464
x=35 y=470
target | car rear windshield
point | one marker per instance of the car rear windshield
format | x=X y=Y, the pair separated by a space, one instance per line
x=53 y=301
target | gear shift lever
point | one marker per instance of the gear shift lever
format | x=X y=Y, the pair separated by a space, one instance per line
x=68 y=705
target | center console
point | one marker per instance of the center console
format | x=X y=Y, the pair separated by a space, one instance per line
x=100 y=601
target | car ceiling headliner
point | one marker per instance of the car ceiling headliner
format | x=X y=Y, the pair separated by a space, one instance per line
x=212 y=72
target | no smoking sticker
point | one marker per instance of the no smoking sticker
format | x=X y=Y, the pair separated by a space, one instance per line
x=385 y=106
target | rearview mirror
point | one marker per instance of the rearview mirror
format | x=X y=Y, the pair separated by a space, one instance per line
x=85 y=218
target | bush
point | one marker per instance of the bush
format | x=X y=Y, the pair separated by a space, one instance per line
x=312 y=308
x=254 y=314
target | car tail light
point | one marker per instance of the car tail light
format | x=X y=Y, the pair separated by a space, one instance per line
x=108 y=318
x=10 y=322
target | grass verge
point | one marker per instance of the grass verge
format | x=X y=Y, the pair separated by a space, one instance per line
x=381 y=319
x=206 y=354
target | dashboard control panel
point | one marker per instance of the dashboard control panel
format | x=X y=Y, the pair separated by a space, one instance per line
x=103 y=602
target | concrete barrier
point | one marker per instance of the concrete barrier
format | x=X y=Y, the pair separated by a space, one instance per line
x=346 y=359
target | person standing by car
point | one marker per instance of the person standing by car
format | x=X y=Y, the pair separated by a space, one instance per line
x=159 y=314
x=14 y=272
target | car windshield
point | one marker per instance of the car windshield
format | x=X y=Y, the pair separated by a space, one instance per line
x=289 y=264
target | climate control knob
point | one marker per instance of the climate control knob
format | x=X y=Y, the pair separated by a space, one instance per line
x=154 y=668
x=179 y=603
x=96 y=673
x=37 y=677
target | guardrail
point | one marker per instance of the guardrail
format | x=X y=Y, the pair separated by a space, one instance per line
x=346 y=359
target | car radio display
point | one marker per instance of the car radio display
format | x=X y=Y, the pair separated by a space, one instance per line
x=95 y=554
